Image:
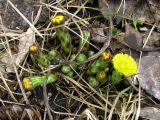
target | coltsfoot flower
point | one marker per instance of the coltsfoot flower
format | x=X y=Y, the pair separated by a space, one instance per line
x=105 y=55
x=33 y=48
x=125 y=64
x=27 y=83
x=101 y=75
x=30 y=83
x=57 y=20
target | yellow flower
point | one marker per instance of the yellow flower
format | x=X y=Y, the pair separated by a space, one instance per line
x=33 y=48
x=105 y=55
x=101 y=75
x=57 y=20
x=125 y=64
x=27 y=83
x=32 y=82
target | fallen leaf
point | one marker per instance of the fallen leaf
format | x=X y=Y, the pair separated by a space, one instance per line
x=7 y=62
x=149 y=75
x=150 y=113
x=98 y=35
x=154 y=39
x=108 y=7
x=131 y=9
x=132 y=38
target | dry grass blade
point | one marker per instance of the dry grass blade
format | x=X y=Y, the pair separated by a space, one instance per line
x=115 y=102
x=79 y=99
x=88 y=115
x=7 y=87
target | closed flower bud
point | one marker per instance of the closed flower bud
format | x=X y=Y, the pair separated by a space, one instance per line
x=33 y=48
x=93 y=81
x=71 y=74
x=32 y=82
x=105 y=55
x=52 y=55
x=57 y=20
x=90 y=53
x=81 y=58
x=65 y=69
x=101 y=75
x=97 y=65
x=42 y=60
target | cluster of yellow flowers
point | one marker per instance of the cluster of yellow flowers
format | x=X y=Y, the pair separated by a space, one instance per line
x=122 y=63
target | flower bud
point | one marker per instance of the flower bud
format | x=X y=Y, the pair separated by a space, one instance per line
x=33 y=48
x=32 y=82
x=65 y=69
x=57 y=20
x=81 y=58
x=93 y=82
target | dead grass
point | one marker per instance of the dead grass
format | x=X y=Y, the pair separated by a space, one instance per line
x=93 y=103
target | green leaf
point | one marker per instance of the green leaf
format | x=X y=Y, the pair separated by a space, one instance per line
x=114 y=31
x=42 y=60
x=39 y=80
x=116 y=77
x=135 y=23
x=97 y=65
x=65 y=39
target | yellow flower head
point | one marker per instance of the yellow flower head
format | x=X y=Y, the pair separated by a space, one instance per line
x=101 y=75
x=33 y=48
x=57 y=20
x=27 y=83
x=125 y=64
x=105 y=55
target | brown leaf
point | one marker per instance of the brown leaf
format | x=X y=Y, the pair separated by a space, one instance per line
x=113 y=6
x=132 y=38
x=98 y=35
